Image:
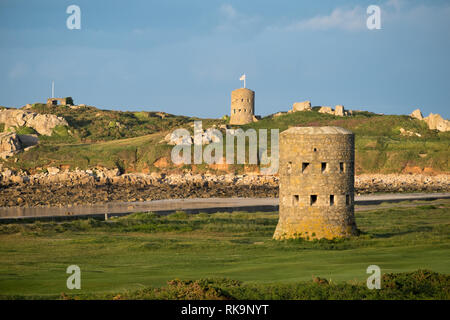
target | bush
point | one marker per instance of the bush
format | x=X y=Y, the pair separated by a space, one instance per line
x=61 y=131
x=69 y=100
x=25 y=130
x=420 y=284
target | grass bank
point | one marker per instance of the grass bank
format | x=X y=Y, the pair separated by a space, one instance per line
x=144 y=250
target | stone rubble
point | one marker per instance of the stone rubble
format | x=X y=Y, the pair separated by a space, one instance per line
x=62 y=187
x=210 y=135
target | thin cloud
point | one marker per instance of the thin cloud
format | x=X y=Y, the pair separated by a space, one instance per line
x=233 y=20
x=228 y=11
x=342 y=19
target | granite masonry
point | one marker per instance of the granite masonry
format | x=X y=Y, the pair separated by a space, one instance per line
x=316 y=186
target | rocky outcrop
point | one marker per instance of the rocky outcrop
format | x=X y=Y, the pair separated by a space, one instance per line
x=94 y=186
x=102 y=185
x=41 y=123
x=11 y=143
x=409 y=133
x=339 y=111
x=327 y=110
x=209 y=135
x=371 y=183
x=301 y=106
x=417 y=114
x=436 y=122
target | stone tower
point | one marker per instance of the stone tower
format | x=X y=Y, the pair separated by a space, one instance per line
x=242 y=106
x=316 y=183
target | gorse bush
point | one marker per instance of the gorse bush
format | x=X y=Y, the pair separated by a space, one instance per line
x=416 y=285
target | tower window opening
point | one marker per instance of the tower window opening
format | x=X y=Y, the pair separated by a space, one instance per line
x=331 y=200
x=313 y=199
x=324 y=167
x=347 y=199
x=240 y=110
x=296 y=199
x=341 y=166
x=234 y=110
x=304 y=166
x=315 y=149
x=242 y=100
x=289 y=167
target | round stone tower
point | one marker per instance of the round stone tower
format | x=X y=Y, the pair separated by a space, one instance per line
x=242 y=106
x=316 y=183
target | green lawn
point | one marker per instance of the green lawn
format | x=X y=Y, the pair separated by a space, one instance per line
x=141 y=250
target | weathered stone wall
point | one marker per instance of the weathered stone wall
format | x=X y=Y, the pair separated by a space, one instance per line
x=242 y=106
x=316 y=183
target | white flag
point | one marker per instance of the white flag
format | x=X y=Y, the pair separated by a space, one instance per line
x=242 y=78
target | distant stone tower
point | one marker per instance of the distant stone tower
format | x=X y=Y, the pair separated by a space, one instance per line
x=242 y=106
x=316 y=183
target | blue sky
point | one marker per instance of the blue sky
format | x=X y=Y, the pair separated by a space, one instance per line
x=185 y=57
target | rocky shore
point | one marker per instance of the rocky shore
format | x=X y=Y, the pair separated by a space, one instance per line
x=56 y=188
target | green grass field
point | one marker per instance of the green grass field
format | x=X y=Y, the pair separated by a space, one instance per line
x=129 y=254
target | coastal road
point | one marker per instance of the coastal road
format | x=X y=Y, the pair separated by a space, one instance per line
x=197 y=205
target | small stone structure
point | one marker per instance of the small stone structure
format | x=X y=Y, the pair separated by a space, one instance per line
x=242 y=106
x=316 y=183
x=339 y=110
x=62 y=101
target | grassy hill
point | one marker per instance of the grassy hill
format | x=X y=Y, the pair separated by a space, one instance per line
x=131 y=140
x=380 y=146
